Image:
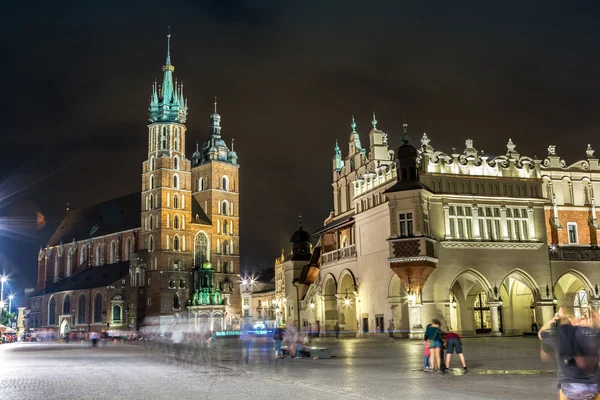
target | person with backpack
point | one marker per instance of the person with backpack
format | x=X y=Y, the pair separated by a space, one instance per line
x=278 y=338
x=575 y=343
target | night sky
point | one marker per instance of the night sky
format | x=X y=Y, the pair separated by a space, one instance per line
x=76 y=79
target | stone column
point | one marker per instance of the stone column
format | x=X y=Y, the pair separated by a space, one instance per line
x=495 y=320
x=595 y=305
x=531 y=223
x=414 y=321
x=544 y=311
x=447 y=221
x=476 y=232
x=503 y=223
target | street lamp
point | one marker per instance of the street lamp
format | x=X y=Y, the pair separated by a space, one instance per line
x=3 y=279
x=10 y=297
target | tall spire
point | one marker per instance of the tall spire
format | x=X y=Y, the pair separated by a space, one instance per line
x=168 y=62
x=167 y=103
x=374 y=121
x=405 y=137
x=353 y=125
x=215 y=104
x=232 y=141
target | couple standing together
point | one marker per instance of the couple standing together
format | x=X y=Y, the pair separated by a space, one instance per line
x=434 y=348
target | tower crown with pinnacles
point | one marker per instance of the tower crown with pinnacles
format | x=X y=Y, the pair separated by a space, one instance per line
x=167 y=103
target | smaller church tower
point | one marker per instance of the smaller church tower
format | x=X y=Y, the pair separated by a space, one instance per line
x=215 y=182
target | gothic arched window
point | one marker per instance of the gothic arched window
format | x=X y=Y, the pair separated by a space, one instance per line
x=152 y=164
x=99 y=255
x=151 y=184
x=225 y=183
x=67 y=305
x=82 y=255
x=150 y=243
x=175 y=201
x=81 y=309
x=128 y=249
x=98 y=308
x=201 y=184
x=224 y=208
x=176 y=182
x=164 y=138
x=52 y=311
x=176 y=243
x=150 y=222
x=225 y=227
x=176 y=163
x=176 y=302
x=176 y=222
x=113 y=252
x=225 y=247
x=201 y=249
x=176 y=139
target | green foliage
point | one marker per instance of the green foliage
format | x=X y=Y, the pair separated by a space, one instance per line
x=8 y=318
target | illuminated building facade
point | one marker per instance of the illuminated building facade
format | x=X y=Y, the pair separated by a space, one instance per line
x=171 y=250
x=483 y=243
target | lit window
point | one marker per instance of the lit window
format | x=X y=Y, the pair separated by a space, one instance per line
x=461 y=222
x=489 y=223
x=517 y=224
x=405 y=224
x=572 y=230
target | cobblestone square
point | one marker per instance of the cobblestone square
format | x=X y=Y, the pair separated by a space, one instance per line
x=499 y=368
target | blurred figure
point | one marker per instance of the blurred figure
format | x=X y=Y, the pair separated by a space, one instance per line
x=94 y=339
x=391 y=329
x=337 y=329
x=291 y=336
x=575 y=344
x=177 y=339
x=278 y=337
x=246 y=341
x=454 y=344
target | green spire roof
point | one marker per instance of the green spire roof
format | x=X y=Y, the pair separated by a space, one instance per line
x=374 y=121
x=405 y=137
x=167 y=103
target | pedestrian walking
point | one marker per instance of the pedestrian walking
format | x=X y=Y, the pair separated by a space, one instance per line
x=391 y=329
x=246 y=341
x=278 y=337
x=337 y=329
x=575 y=343
x=454 y=344
x=291 y=336
x=94 y=340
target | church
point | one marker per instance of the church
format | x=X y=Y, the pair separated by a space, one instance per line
x=488 y=244
x=169 y=251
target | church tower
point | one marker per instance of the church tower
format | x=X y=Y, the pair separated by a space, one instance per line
x=215 y=177
x=166 y=197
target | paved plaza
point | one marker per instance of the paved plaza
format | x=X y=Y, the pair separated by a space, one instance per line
x=499 y=368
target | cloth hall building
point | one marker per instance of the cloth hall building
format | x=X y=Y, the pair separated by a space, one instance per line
x=170 y=250
x=486 y=244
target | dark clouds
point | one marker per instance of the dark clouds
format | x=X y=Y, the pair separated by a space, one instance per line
x=77 y=76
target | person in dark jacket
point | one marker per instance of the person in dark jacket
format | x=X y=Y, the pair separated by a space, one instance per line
x=278 y=338
x=575 y=343
x=433 y=333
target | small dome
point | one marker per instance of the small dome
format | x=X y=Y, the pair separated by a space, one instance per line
x=215 y=116
x=232 y=155
x=300 y=236
x=406 y=151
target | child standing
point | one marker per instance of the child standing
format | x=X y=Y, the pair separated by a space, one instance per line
x=427 y=354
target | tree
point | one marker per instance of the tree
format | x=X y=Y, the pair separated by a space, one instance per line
x=8 y=318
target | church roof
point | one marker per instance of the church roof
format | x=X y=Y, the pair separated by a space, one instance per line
x=92 y=277
x=198 y=211
x=111 y=216
x=407 y=185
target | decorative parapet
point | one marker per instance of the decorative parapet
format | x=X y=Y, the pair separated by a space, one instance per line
x=412 y=249
x=492 y=245
x=573 y=254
